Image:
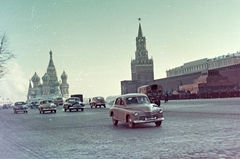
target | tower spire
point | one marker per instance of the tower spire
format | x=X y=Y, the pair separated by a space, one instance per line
x=51 y=64
x=139 y=29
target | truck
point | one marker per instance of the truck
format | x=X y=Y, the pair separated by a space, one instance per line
x=80 y=96
x=153 y=91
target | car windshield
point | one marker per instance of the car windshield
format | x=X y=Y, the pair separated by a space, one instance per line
x=19 y=103
x=98 y=99
x=137 y=100
x=73 y=99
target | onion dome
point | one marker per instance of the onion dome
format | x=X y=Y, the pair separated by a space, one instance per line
x=56 y=83
x=64 y=75
x=35 y=78
x=46 y=77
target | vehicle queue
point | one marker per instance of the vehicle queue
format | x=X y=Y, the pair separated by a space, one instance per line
x=132 y=108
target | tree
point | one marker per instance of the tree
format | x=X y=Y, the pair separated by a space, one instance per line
x=5 y=55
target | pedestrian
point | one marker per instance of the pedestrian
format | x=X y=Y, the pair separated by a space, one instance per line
x=166 y=97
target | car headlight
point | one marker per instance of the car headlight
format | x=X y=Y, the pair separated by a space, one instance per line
x=160 y=110
x=135 y=113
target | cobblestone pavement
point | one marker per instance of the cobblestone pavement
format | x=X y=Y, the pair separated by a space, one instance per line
x=193 y=129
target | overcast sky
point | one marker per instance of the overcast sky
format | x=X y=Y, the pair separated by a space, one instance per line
x=93 y=41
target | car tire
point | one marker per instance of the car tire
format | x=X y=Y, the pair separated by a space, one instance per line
x=131 y=124
x=115 y=122
x=70 y=110
x=158 y=123
x=55 y=111
x=82 y=109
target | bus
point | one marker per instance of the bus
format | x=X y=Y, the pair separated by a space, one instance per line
x=153 y=91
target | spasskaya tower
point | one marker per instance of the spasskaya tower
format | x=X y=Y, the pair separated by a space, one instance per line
x=142 y=66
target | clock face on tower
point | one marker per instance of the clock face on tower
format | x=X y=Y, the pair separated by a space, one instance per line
x=143 y=53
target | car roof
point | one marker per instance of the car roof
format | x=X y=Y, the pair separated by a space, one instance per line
x=73 y=97
x=45 y=100
x=131 y=95
x=98 y=97
x=20 y=102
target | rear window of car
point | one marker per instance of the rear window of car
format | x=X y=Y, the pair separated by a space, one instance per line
x=19 y=103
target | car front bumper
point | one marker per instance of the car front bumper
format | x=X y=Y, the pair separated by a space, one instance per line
x=76 y=107
x=148 y=120
x=48 y=109
x=21 y=110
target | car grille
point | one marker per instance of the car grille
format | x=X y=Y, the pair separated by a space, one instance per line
x=148 y=115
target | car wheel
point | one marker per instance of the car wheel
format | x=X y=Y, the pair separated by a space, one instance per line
x=158 y=123
x=55 y=111
x=70 y=110
x=104 y=106
x=130 y=122
x=82 y=109
x=115 y=122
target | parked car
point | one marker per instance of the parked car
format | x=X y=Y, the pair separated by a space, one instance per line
x=58 y=101
x=34 y=104
x=20 y=107
x=47 y=105
x=5 y=106
x=97 y=102
x=135 y=108
x=73 y=103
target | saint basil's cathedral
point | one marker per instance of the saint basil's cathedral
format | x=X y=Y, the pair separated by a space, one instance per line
x=50 y=86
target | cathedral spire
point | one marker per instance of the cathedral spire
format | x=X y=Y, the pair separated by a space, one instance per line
x=51 y=64
x=29 y=90
x=140 y=29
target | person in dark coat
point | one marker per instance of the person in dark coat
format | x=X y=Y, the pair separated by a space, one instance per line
x=166 y=98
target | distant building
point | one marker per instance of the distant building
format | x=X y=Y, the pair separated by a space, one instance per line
x=50 y=86
x=181 y=78
x=205 y=64
x=208 y=81
x=227 y=66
